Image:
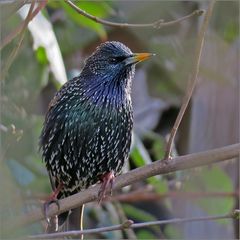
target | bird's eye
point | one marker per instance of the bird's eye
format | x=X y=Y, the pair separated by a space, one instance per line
x=118 y=59
x=113 y=60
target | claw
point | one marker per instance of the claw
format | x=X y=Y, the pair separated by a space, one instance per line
x=107 y=184
x=46 y=206
x=52 y=200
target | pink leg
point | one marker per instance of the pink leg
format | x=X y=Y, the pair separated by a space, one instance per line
x=107 y=180
x=52 y=199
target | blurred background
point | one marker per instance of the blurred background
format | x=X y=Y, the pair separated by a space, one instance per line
x=53 y=50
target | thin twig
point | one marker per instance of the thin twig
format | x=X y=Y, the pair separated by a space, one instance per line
x=14 y=52
x=130 y=224
x=126 y=224
x=156 y=24
x=193 y=80
x=156 y=168
x=21 y=27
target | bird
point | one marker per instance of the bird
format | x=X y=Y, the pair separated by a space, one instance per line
x=86 y=134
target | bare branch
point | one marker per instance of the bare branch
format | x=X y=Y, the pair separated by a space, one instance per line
x=21 y=27
x=156 y=168
x=15 y=50
x=126 y=224
x=130 y=224
x=146 y=194
x=193 y=80
x=156 y=24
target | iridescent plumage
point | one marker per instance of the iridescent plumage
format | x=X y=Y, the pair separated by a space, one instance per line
x=88 y=126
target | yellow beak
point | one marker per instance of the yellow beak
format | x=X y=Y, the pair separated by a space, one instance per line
x=138 y=57
x=142 y=56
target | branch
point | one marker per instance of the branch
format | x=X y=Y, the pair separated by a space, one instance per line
x=21 y=27
x=21 y=30
x=130 y=224
x=122 y=226
x=156 y=168
x=145 y=195
x=156 y=24
x=14 y=52
x=193 y=80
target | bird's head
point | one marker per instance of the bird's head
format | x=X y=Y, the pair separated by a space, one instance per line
x=111 y=67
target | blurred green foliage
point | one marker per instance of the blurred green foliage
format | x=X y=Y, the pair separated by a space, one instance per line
x=41 y=56
x=98 y=9
x=212 y=179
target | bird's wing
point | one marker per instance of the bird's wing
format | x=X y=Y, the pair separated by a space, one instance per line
x=58 y=96
x=53 y=181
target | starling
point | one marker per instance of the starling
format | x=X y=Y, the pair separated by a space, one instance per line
x=87 y=131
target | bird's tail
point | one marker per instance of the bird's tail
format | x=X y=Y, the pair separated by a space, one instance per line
x=74 y=220
x=67 y=221
x=57 y=222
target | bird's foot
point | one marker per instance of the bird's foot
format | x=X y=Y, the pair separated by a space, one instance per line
x=46 y=206
x=107 y=180
x=52 y=199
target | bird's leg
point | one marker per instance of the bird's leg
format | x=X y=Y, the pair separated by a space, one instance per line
x=52 y=199
x=107 y=180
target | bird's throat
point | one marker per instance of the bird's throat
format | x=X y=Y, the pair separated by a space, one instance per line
x=115 y=92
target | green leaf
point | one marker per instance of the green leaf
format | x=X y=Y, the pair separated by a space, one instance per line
x=54 y=4
x=212 y=179
x=139 y=153
x=41 y=55
x=158 y=149
x=140 y=157
x=231 y=31
x=137 y=214
x=160 y=185
x=140 y=215
x=99 y=9
x=144 y=234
